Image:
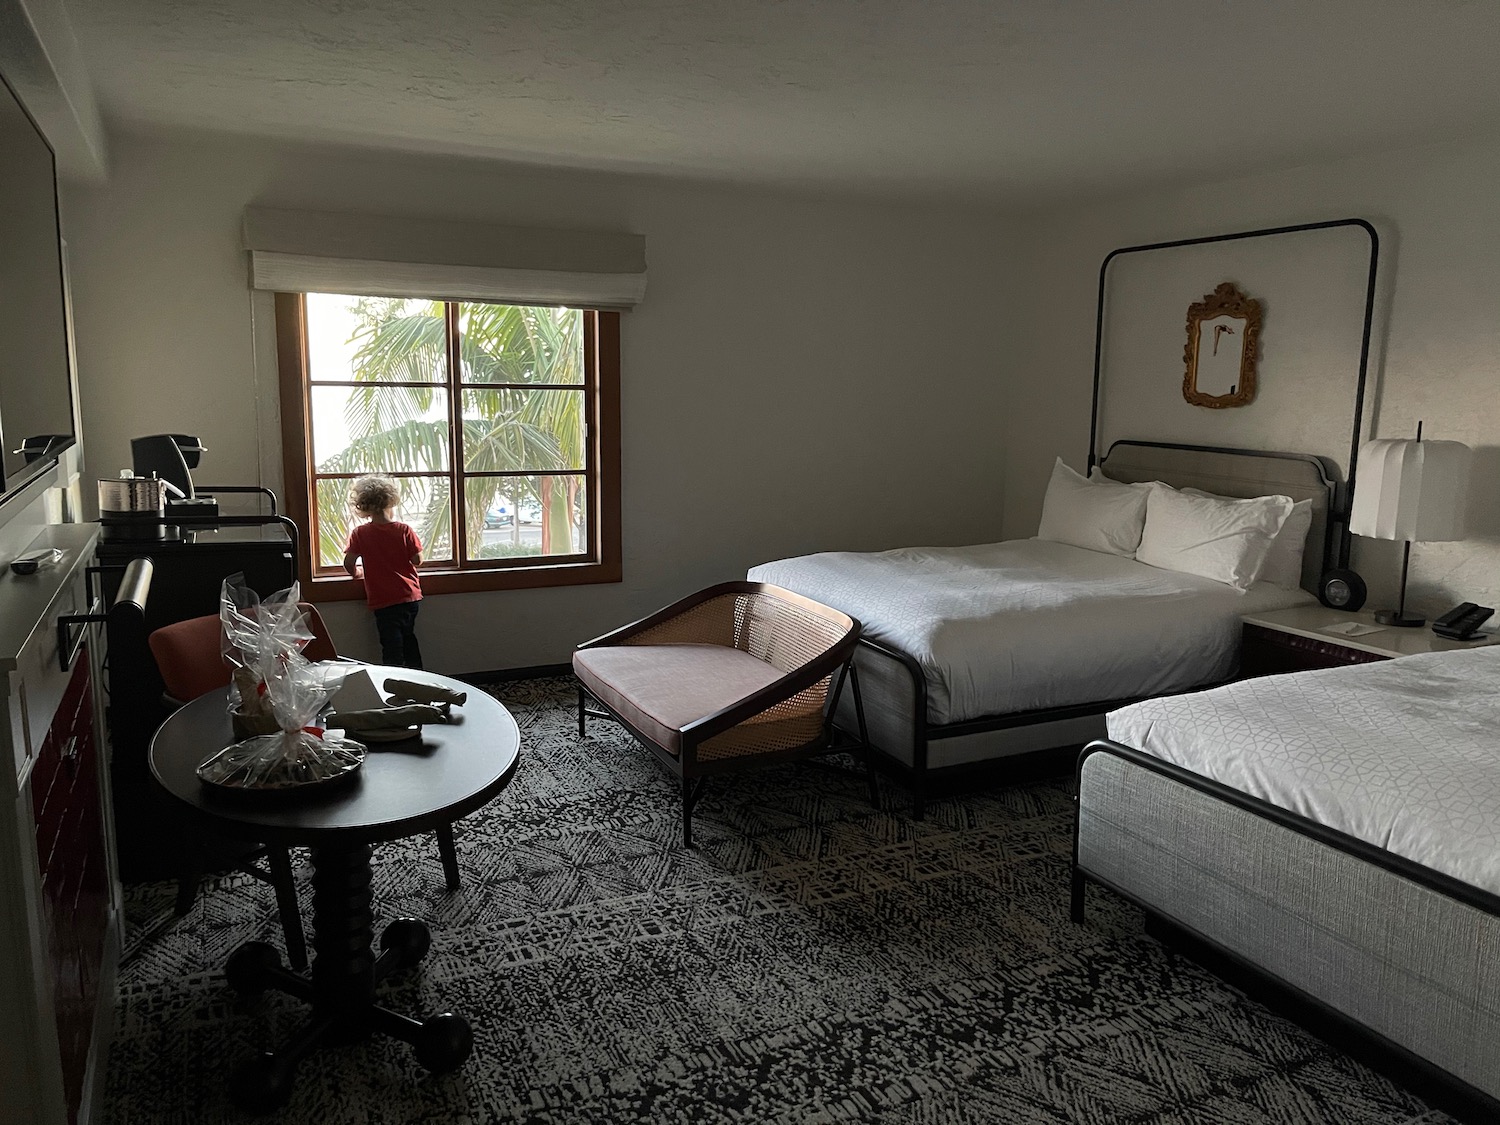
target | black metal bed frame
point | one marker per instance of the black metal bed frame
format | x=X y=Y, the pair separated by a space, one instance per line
x=918 y=777
x=1342 y=558
x=1423 y=1076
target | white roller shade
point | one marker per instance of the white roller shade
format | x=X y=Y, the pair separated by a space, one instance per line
x=389 y=256
x=1412 y=490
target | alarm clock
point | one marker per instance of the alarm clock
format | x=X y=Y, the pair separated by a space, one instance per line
x=1341 y=589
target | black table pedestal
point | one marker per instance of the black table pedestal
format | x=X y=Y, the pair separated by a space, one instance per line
x=455 y=768
x=341 y=988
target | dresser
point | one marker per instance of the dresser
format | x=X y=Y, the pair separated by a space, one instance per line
x=189 y=570
x=59 y=897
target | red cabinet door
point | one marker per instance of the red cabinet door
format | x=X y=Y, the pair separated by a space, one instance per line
x=75 y=886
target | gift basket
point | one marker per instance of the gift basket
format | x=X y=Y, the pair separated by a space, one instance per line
x=275 y=697
x=257 y=636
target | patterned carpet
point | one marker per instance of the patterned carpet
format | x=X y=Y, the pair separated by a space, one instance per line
x=812 y=960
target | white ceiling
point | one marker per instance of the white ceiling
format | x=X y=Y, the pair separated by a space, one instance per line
x=1015 y=100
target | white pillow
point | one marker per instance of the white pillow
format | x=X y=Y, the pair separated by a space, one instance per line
x=1226 y=540
x=1284 y=562
x=1098 y=515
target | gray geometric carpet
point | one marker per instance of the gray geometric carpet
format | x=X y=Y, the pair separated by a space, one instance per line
x=811 y=960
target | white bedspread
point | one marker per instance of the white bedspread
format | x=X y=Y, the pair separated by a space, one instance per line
x=1026 y=624
x=1403 y=754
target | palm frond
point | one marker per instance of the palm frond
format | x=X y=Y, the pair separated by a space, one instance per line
x=411 y=447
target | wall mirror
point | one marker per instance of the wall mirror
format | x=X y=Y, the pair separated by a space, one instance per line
x=36 y=403
x=1223 y=341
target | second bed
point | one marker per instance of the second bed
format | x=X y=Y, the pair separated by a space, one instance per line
x=1337 y=832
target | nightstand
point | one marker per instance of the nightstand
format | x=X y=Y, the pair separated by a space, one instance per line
x=1297 y=640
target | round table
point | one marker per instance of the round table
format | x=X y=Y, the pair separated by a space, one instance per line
x=403 y=788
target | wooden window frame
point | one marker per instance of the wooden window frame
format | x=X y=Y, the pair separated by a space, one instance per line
x=601 y=332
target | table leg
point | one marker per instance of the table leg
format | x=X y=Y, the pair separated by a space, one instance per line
x=341 y=990
x=343 y=969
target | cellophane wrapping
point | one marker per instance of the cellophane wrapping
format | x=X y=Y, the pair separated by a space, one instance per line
x=263 y=639
x=300 y=753
x=256 y=636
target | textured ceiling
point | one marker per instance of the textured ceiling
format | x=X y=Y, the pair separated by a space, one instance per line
x=1004 y=99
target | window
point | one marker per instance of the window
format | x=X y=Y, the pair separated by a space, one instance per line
x=499 y=422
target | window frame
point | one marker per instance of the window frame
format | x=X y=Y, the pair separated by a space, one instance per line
x=601 y=343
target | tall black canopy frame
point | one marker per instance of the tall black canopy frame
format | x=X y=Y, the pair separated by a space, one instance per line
x=1342 y=508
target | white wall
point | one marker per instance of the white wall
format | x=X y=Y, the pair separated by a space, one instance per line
x=40 y=59
x=804 y=374
x=1439 y=326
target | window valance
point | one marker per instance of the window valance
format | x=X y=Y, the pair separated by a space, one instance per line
x=390 y=256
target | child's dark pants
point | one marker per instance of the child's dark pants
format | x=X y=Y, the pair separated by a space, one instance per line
x=397 y=626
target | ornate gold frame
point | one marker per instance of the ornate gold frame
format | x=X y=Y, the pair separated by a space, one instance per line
x=1225 y=300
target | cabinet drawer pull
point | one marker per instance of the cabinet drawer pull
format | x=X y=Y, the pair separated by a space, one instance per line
x=68 y=642
x=70 y=755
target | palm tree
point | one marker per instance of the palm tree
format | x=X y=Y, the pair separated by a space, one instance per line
x=398 y=427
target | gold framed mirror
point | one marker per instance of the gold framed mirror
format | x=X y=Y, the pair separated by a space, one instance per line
x=1223 y=342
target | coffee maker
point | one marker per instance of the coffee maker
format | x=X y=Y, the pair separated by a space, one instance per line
x=193 y=548
x=171 y=457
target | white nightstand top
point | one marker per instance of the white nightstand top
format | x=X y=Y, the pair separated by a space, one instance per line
x=1313 y=621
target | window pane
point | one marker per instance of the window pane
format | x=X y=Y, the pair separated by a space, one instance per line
x=424 y=505
x=509 y=430
x=387 y=339
x=379 y=429
x=516 y=344
x=552 y=513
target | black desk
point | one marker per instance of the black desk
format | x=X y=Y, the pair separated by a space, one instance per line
x=403 y=789
x=188 y=572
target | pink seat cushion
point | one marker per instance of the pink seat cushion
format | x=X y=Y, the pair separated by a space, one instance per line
x=659 y=689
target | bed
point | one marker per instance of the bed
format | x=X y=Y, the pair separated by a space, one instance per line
x=1006 y=652
x=1338 y=833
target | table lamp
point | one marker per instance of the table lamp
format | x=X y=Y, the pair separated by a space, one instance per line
x=1414 y=491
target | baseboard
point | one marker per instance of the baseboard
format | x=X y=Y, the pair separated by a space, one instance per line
x=506 y=675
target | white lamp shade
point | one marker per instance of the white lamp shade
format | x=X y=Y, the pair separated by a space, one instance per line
x=1412 y=490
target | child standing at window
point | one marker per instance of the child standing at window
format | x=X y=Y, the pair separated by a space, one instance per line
x=391 y=553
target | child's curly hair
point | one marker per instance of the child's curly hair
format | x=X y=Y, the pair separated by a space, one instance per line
x=373 y=494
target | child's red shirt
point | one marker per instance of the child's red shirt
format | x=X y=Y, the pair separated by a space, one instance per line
x=386 y=549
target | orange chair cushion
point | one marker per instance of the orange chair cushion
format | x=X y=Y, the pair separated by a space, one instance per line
x=659 y=689
x=321 y=647
x=187 y=654
x=191 y=661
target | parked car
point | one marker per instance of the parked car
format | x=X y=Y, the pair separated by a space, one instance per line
x=500 y=513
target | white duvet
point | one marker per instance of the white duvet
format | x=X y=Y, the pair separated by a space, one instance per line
x=1403 y=754
x=1027 y=623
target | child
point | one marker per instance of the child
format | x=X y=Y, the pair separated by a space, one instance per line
x=391 y=552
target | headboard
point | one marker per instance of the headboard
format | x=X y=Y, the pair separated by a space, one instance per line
x=1239 y=473
x=1331 y=526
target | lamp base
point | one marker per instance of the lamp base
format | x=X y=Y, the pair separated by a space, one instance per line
x=1399 y=620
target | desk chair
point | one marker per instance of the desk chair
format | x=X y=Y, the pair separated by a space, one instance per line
x=190 y=658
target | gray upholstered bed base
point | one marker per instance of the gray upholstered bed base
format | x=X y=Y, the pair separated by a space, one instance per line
x=1408 y=962
x=890 y=693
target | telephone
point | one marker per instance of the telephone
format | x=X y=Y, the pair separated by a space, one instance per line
x=1462 y=621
